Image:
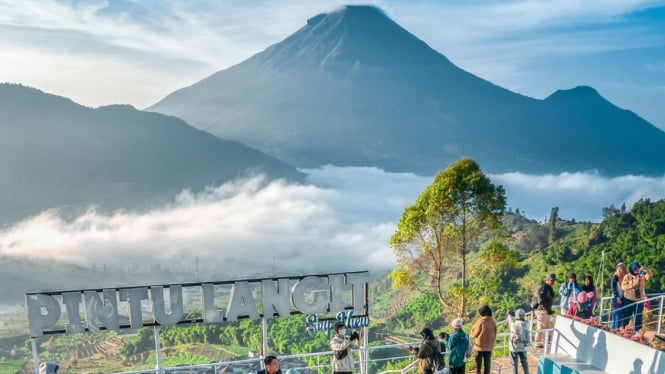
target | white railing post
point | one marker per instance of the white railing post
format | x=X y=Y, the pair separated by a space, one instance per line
x=158 y=351
x=660 y=313
x=35 y=354
x=264 y=338
x=364 y=354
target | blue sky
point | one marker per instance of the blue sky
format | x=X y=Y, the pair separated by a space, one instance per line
x=136 y=52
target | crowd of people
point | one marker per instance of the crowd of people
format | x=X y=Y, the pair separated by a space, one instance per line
x=450 y=353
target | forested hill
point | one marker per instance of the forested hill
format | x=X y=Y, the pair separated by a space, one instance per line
x=509 y=279
x=55 y=153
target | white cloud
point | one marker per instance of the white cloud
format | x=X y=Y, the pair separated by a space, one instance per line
x=341 y=220
x=578 y=195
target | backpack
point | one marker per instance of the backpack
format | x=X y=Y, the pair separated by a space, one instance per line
x=440 y=363
x=525 y=336
x=429 y=355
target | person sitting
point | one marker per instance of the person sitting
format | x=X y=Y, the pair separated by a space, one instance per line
x=271 y=366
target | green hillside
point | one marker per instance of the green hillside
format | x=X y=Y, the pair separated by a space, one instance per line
x=634 y=234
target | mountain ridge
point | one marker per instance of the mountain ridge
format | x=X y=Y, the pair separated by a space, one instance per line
x=55 y=153
x=337 y=93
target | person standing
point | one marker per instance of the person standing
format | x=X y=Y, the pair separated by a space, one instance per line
x=342 y=360
x=428 y=352
x=443 y=340
x=589 y=305
x=633 y=290
x=271 y=366
x=568 y=292
x=544 y=310
x=458 y=343
x=519 y=340
x=618 y=300
x=484 y=334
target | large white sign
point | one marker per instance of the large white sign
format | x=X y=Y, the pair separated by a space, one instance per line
x=278 y=296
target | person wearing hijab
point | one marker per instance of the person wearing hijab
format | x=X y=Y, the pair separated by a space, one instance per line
x=634 y=293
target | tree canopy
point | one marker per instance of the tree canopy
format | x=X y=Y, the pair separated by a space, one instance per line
x=435 y=234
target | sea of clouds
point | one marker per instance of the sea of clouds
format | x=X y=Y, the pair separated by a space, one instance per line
x=340 y=219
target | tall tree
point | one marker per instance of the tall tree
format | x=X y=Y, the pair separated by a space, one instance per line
x=448 y=219
x=554 y=216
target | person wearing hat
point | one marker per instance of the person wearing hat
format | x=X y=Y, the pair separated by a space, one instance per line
x=342 y=360
x=544 y=311
x=634 y=292
x=618 y=301
x=458 y=344
x=519 y=340
x=568 y=292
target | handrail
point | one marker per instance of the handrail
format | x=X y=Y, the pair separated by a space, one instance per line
x=660 y=297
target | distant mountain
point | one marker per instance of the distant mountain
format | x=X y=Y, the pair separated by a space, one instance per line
x=352 y=87
x=55 y=153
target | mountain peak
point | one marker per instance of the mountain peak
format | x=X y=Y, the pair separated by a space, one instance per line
x=354 y=36
x=358 y=12
x=576 y=93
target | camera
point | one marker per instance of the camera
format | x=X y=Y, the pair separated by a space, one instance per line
x=643 y=273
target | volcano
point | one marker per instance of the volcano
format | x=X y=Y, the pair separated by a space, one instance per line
x=354 y=88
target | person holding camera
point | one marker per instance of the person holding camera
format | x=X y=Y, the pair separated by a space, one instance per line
x=342 y=360
x=633 y=292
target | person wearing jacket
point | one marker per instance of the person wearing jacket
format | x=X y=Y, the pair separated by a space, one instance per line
x=271 y=365
x=568 y=292
x=544 y=307
x=458 y=342
x=634 y=292
x=427 y=352
x=484 y=334
x=519 y=340
x=618 y=301
x=341 y=345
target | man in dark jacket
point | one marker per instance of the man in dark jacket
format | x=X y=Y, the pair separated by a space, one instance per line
x=272 y=366
x=544 y=309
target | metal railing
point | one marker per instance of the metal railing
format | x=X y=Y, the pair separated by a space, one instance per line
x=293 y=363
x=606 y=311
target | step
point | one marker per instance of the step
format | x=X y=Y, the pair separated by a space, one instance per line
x=564 y=364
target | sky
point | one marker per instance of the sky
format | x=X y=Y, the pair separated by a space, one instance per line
x=137 y=52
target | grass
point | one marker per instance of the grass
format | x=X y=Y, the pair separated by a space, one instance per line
x=11 y=366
